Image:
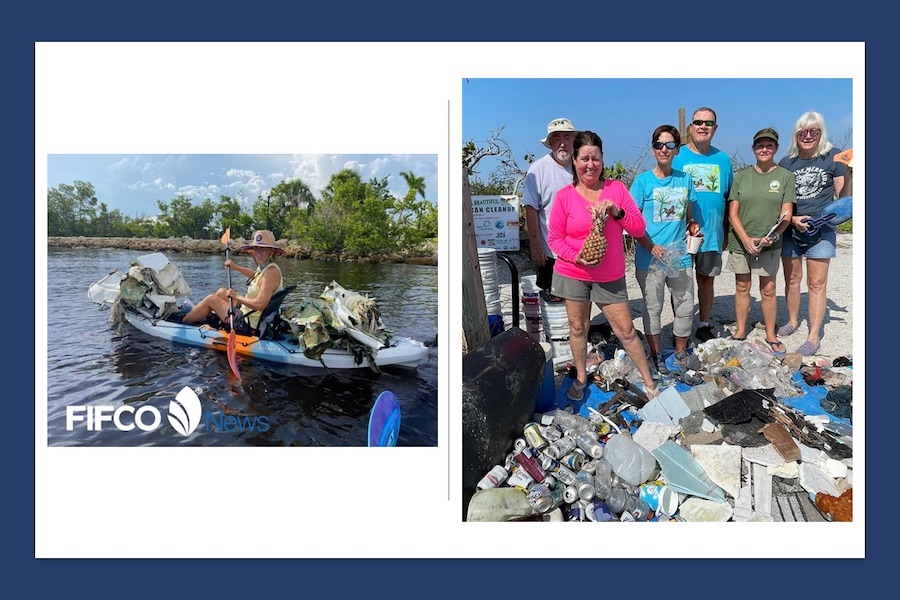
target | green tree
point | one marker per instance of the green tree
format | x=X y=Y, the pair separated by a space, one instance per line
x=282 y=206
x=71 y=209
x=415 y=220
x=182 y=218
x=351 y=215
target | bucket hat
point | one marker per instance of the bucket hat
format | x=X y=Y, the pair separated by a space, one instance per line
x=561 y=124
x=263 y=238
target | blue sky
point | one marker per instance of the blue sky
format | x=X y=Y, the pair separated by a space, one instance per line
x=133 y=183
x=624 y=112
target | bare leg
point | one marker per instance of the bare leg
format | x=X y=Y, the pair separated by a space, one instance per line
x=619 y=317
x=768 y=305
x=793 y=275
x=214 y=303
x=705 y=296
x=741 y=303
x=817 y=285
x=579 y=313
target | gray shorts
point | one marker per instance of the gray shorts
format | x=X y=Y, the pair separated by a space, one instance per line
x=766 y=265
x=611 y=292
x=708 y=263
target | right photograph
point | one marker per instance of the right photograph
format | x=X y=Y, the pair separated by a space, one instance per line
x=658 y=300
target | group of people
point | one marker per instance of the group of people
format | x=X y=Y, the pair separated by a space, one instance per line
x=750 y=213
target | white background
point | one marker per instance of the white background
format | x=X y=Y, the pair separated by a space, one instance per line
x=348 y=502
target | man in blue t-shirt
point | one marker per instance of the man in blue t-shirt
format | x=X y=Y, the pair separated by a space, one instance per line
x=544 y=178
x=711 y=171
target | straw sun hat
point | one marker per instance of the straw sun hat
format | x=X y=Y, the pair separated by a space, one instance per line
x=263 y=238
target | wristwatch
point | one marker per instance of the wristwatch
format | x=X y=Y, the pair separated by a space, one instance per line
x=619 y=215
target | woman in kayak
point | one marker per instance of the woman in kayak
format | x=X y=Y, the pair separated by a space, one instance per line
x=262 y=283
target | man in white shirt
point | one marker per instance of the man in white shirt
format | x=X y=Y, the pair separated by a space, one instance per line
x=544 y=178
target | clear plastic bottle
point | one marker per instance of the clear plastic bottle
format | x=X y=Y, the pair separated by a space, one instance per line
x=591 y=446
x=604 y=480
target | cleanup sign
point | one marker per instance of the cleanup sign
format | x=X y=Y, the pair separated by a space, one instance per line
x=496 y=220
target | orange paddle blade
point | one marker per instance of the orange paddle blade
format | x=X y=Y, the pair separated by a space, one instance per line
x=845 y=157
x=232 y=352
x=226 y=237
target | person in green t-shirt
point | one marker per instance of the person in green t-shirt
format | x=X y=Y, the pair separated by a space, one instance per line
x=759 y=211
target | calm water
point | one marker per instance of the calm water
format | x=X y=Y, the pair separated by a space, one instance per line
x=94 y=362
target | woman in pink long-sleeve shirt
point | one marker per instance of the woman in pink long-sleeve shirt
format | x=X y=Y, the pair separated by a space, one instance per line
x=581 y=282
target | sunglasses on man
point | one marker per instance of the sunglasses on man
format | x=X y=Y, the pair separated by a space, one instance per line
x=699 y=122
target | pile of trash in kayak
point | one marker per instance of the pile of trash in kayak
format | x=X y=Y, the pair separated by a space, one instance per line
x=737 y=434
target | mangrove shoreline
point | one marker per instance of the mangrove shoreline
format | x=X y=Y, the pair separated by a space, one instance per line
x=425 y=254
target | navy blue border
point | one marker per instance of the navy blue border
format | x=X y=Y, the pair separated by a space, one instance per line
x=417 y=21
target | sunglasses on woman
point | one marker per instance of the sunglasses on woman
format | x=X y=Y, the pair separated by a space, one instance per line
x=669 y=145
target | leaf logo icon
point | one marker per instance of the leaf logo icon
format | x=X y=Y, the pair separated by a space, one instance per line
x=184 y=411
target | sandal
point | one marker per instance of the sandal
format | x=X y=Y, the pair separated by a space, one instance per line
x=808 y=348
x=652 y=392
x=737 y=339
x=576 y=391
x=774 y=345
x=787 y=329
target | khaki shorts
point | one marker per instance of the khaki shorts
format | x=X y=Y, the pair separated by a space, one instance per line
x=765 y=264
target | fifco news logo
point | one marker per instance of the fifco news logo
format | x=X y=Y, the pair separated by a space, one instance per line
x=185 y=416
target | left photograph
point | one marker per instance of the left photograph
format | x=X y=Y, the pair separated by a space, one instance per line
x=242 y=300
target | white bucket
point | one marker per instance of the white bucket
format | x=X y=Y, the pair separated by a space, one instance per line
x=562 y=351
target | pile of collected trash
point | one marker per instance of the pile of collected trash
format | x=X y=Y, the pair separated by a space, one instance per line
x=737 y=434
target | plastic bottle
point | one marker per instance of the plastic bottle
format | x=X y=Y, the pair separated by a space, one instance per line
x=633 y=463
x=603 y=479
x=590 y=445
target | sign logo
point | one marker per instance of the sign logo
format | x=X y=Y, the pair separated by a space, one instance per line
x=184 y=411
x=185 y=416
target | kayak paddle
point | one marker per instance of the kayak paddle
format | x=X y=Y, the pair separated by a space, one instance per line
x=232 y=335
x=384 y=420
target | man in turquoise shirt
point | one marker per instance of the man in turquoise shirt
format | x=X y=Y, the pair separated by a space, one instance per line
x=712 y=174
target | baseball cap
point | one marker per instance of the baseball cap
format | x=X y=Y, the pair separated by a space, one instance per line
x=768 y=132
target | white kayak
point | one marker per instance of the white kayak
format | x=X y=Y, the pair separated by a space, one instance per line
x=284 y=348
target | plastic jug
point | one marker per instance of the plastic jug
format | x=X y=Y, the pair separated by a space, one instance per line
x=633 y=463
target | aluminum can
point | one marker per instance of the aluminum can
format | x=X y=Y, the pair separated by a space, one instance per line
x=576 y=513
x=561 y=447
x=564 y=474
x=520 y=444
x=534 y=438
x=526 y=458
x=495 y=478
x=570 y=494
x=548 y=463
x=520 y=479
x=573 y=460
x=540 y=498
x=551 y=433
x=584 y=482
